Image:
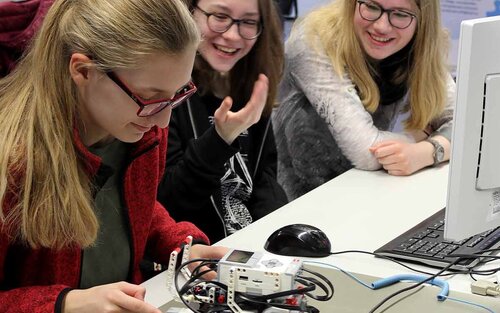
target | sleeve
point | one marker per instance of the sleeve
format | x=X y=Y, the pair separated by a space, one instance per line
x=36 y=299
x=166 y=235
x=267 y=194
x=194 y=167
x=442 y=125
x=337 y=103
x=29 y=299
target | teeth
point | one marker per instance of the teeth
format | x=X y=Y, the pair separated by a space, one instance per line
x=381 y=39
x=227 y=50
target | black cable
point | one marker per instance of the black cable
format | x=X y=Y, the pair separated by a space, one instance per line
x=472 y=271
x=205 y=263
x=382 y=257
x=278 y=305
x=195 y=275
x=324 y=279
x=176 y=280
x=459 y=258
x=291 y=292
x=188 y=285
x=455 y=272
x=306 y=280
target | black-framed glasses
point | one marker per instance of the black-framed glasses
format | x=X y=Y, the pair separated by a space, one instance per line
x=220 y=23
x=372 y=11
x=151 y=107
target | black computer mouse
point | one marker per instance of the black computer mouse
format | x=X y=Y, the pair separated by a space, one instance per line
x=299 y=240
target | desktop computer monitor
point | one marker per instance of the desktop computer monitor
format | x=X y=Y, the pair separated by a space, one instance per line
x=473 y=200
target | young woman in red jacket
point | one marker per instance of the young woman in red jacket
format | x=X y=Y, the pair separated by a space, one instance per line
x=83 y=135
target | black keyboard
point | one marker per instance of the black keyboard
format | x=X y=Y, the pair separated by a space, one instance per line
x=425 y=244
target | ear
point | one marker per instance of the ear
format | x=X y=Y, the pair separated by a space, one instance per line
x=79 y=68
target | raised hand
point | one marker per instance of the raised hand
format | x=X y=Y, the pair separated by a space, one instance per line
x=229 y=125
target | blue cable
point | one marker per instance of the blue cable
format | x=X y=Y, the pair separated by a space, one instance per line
x=470 y=303
x=445 y=288
x=359 y=281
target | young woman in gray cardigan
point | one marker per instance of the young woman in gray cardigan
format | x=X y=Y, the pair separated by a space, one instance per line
x=353 y=71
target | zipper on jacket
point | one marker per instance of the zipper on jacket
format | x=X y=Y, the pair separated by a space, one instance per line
x=195 y=133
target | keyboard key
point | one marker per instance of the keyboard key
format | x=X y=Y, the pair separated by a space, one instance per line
x=475 y=242
x=422 y=234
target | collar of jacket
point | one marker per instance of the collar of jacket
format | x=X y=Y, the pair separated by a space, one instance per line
x=92 y=162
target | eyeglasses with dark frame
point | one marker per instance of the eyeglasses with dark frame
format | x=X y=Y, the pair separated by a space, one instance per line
x=152 y=107
x=372 y=11
x=220 y=23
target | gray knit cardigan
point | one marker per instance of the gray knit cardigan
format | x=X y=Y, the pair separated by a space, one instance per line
x=321 y=127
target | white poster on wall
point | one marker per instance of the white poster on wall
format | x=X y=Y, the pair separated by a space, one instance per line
x=455 y=11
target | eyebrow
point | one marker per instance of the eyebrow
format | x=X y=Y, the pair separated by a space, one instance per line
x=409 y=10
x=227 y=10
x=158 y=90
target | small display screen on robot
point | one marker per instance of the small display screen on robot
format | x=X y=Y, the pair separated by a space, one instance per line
x=239 y=256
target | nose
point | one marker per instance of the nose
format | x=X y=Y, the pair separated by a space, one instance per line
x=232 y=33
x=382 y=25
x=160 y=119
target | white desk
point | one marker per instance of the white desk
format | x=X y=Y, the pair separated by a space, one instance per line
x=360 y=210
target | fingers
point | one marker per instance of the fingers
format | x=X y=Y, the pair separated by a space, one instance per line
x=396 y=166
x=117 y=297
x=396 y=173
x=260 y=89
x=383 y=144
x=140 y=294
x=132 y=304
x=223 y=109
x=384 y=149
x=229 y=125
x=258 y=99
x=209 y=252
x=254 y=107
x=390 y=156
x=131 y=298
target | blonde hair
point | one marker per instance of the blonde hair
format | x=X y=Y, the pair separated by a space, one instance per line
x=45 y=190
x=333 y=27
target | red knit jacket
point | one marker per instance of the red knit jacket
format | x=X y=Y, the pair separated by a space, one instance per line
x=36 y=280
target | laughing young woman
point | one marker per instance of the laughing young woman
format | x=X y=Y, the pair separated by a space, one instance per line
x=221 y=158
x=354 y=69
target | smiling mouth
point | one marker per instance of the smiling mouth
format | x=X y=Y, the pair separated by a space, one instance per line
x=380 y=39
x=225 y=50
